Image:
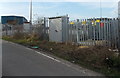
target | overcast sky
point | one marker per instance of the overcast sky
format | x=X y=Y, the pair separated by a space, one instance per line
x=76 y=10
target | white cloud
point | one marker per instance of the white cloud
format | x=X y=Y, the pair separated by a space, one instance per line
x=95 y=5
x=108 y=5
x=73 y=16
x=76 y=16
x=17 y=10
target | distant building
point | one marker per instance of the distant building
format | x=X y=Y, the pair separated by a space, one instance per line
x=12 y=23
x=119 y=9
x=13 y=20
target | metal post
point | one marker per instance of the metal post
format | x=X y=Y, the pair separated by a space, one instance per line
x=99 y=33
x=107 y=32
x=81 y=31
x=102 y=31
x=110 y=35
x=117 y=28
x=86 y=32
x=94 y=31
x=118 y=33
x=115 y=32
x=77 y=31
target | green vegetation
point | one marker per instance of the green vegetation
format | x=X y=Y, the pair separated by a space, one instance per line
x=97 y=58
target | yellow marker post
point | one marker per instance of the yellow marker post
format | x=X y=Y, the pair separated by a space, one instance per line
x=97 y=21
x=72 y=23
x=84 y=22
x=93 y=23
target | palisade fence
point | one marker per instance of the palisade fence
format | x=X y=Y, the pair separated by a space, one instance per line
x=102 y=32
x=84 y=32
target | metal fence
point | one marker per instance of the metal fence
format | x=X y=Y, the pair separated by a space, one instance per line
x=8 y=30
x=97 y=31
x=85 y=32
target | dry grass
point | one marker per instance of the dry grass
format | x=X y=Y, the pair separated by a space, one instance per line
x=97 y=58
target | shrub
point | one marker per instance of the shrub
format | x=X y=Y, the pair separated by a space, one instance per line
x=18 y=35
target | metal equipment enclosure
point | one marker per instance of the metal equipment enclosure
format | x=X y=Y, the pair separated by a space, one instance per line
x=26 y=27
x=58 y=29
